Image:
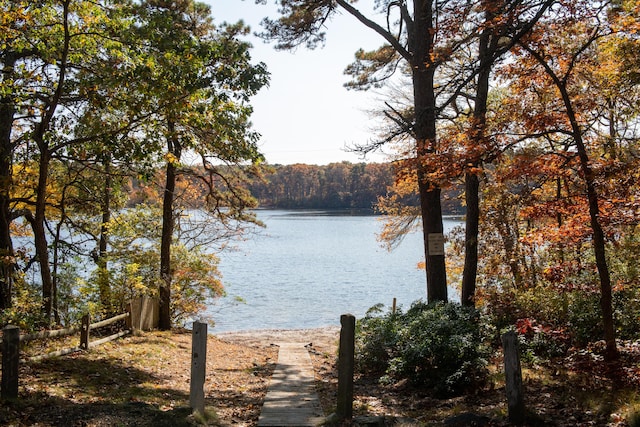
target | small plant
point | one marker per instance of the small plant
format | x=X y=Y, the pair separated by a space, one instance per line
x=542 y=340
x=209 y=418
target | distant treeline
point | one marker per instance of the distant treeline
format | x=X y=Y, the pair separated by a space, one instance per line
x=334 y=186
x=342 y=185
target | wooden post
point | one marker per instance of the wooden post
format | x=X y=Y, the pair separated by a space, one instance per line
x=198 y=366
x=84 y=332
x=344 y=407
x=513 y=378
x=10 y=361
x=393 y=309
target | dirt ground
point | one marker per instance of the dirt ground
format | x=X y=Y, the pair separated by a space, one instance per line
x=577 y=391
x=143 y=380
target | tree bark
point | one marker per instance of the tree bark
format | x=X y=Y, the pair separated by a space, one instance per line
x=471 y=233
x=56 y=257
x=599 y=245
x=7 y=264
x=39 y=233
x=167 y=230
x=103 y=273
x=425 y=134
x=472 y=182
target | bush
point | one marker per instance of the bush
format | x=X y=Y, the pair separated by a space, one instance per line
x=26 y=309
x=539 y=340
x=585 y=318
x=504 y=306
x=436 y=346
x=626 y=311
x=376 y=340
x=559 y=318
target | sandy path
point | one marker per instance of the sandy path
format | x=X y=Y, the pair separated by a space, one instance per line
x=326 y=337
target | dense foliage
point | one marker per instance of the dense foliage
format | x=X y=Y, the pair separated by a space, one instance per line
x=549 y=160
x=94 y=96
x=438 y=346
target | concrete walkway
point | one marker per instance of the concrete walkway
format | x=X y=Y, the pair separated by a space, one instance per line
x=292 y=399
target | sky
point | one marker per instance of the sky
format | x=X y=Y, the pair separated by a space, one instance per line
x=306 y=115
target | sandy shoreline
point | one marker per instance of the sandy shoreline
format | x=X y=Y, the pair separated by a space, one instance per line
x=325 y=337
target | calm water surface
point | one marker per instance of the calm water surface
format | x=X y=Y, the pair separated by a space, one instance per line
x=307 y=268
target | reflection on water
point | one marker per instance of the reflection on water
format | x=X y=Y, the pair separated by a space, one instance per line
x=309 y=267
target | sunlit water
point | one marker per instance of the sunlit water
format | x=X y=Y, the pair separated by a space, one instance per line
x=307 y=268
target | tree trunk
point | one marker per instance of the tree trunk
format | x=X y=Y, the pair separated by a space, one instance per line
x=599 y=245
x=56 y=259
x=606 y=298
x=40 y=237
x=103 y=273
x=38 y=224
x=471 y=233
x=7 y=265
x=472 y=182
x=167 y=231
x=425 y=134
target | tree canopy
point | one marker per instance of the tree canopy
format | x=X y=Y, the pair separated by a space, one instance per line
x=535 y=90
x=96 y=94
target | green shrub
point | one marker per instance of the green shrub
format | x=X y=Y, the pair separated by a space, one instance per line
x=26 y=309
x=560 y=318
x=503 y=307
x=436 y=346
x=626 y=311
x=376 y=340
x=541 y=340
x=585 y=318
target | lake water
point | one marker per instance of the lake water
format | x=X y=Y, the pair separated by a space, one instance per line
x=307 y=268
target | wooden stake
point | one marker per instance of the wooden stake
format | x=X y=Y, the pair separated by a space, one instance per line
x=344 y=409
x=84 y=332
x=198 y=366
x=10 y=361
x=513 y=378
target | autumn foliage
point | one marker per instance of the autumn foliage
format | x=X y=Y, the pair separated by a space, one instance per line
x=556 y=157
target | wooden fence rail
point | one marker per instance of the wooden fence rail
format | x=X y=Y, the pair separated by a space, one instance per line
x=86 y=328
x=11 y=340
x=110 y=321
x=56 y=333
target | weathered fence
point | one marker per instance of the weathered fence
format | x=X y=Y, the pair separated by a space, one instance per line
x=12 y=339
x=85 y=343
x=84 y=329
